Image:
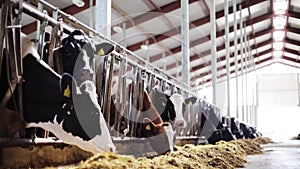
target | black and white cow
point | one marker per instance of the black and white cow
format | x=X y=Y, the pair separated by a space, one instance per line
x=147 y=121
x=66 y=105
x=212 y=127
x=249 y=131
x=234 y=126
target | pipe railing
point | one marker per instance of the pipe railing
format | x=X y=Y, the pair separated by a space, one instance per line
x=125 y=55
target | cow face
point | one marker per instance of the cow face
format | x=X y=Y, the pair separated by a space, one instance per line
x=164 y=105
x=160 y=135
x=78 y=55
x=178 y=101
x=56 y=104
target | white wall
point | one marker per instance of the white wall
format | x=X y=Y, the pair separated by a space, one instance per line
x=278 y=111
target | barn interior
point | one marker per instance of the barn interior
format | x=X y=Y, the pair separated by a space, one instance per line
x=238 y=58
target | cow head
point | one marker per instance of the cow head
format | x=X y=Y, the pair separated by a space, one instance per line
x=160 y=135
x=78 y=55
x=178 y=101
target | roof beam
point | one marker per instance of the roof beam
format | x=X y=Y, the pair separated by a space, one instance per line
x=291 y=59
x=293 y=14
x=204 y=39
x=155 y=13
x=195 y=57
x=231 y=64
x=293 y=30
x=291 y=51
x=195 y=68
x=72 y=10
x=233 y=71
x=293 y=42
x=193 y=24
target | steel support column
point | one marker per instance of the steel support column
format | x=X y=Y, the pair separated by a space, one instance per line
x=103 y=20
x=124 y=43
x=242 y=61
x=213 y=49
x=92 y=18
x=236 y=60
x=185 y=44
x=227 y=46
x=246 y=73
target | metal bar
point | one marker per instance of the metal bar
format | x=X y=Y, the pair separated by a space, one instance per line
x=227 y=57
x=38 y=25
x=236 y=60
x=91 y=17
x=4 y=12
x=299 y=89
x=107 y=99
x=213 y=49
x=103 y=13
x=185 y=43
x=124 y=43
x=242 y=61
x=246 y=72
x=39 y=15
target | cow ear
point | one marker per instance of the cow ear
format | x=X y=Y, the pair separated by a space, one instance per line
x=66 y=82
x=104 y=48
x=190 y=100
x=149 y=125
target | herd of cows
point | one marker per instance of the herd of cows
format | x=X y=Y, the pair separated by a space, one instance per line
x=66 y=104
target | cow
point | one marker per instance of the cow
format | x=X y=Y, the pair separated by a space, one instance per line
x=249 y=131
x=147 y=121
x=66 y=105
x=235 y=129
x=212 y=128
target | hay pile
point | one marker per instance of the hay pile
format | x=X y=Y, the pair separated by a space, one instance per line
x=262 y=140
x=249 y=146
x=223 y=155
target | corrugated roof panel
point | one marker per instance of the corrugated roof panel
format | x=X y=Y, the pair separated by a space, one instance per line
x=137 y=9
x=260 y=9
x=263 y=25
x=162 y=3
x=155 y=26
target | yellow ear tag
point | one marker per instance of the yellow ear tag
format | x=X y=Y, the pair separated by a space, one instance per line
x=190 y=103
x=101 y=52
x=163 y=103
x=148 y=127
x=67 y=91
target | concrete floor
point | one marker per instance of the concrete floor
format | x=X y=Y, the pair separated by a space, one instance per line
x=280 y=155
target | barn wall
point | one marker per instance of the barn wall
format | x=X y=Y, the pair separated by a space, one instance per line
x=278 y=111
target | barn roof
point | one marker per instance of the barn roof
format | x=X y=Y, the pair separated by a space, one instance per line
x=157 y=24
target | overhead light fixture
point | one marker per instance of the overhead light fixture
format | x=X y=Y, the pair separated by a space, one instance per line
x=117 y=29
x=280 y=6
x=277 y=54
x=279 y=22
x=145 y=46
x=278 y=35
x=78 y=3
x=277 y=45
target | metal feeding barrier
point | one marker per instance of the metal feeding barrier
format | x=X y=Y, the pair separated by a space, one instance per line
x=120 y=63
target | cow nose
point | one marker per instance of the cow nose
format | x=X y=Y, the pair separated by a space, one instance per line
x=87 y=74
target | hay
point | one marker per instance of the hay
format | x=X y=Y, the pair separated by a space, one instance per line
x=223 y=155
x=262 y=140
x=249 y=146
